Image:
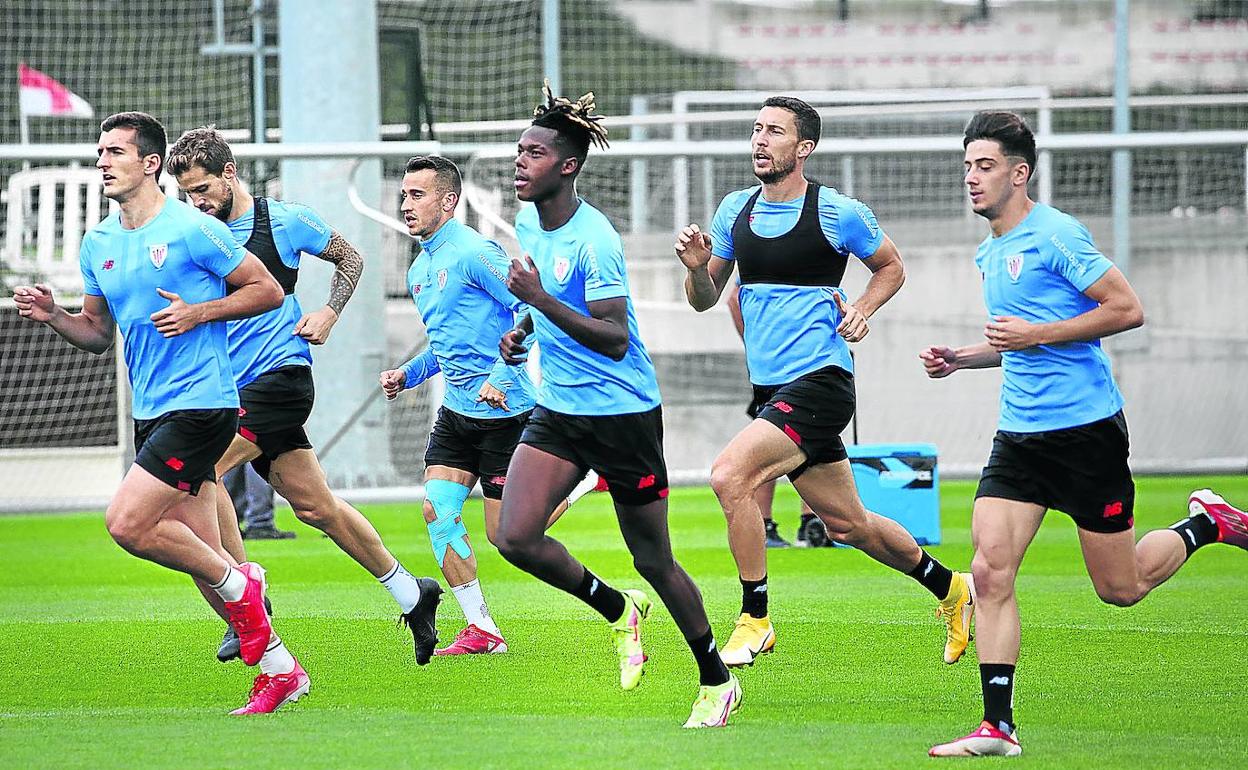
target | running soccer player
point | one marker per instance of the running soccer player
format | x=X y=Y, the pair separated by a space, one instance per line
x=597 y=407
x=1062 y=438
x=271 y=363
x=793 y=238
x=766 y=494
x=159 y=270
x=459 y=285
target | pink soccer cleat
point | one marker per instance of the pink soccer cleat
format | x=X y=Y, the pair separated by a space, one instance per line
x=269 y=693
x=1232 y=522
x=474 y=641
x=986 y=741
x=248 y=617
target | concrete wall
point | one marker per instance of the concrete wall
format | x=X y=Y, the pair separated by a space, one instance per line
x=1067 y=46
x=1182 y=375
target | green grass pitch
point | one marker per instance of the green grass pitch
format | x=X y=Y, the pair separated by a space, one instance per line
x=107 y=661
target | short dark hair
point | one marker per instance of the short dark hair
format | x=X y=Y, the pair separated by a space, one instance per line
x=446 y=172
x=1007 y=129
x=149 y=134
x=204 y=147
x=574 y=122
x=807 y=118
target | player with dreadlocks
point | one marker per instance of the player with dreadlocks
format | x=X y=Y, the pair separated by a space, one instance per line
x=597 y=406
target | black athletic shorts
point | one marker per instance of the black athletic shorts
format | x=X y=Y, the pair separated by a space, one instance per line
x=812 y=410
x=480 y=446
x=1081 y=471
x=181 y=448
x=625 y=449
x=756 y=402
x=274 y=408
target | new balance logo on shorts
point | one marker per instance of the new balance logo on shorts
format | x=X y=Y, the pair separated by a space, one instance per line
x=646 y=482
x=1113 y=509
x=499 y=480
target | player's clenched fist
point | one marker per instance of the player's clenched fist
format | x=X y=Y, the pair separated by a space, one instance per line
x=34 y=302
x=512 y=348
x=316 y=326
x=523 y=280
x=939 y=361
x=853 y=326
x=693 y=247
x=393 y=381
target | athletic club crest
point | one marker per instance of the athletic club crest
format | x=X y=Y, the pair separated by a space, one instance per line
x=441 y=279
x=158 y=253
x=416 y=290
x=563 y=266
x=1014 y=265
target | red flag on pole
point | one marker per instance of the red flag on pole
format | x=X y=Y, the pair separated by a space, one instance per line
x=42 y=95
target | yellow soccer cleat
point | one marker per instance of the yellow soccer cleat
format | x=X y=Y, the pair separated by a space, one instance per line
x=715 y=703
x=627 y=632
x=751 y=637
x=956 y=611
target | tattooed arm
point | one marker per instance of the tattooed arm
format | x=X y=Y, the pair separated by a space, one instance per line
x=349 y=265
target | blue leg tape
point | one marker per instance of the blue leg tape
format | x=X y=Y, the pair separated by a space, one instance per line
x=447 y=528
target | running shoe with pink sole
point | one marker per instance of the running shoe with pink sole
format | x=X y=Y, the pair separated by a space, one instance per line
x=474 y=641
x=1232 y=522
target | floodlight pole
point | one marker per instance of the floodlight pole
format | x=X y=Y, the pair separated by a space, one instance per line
x=1122 y=125
x=550 y=45
x=333 y=44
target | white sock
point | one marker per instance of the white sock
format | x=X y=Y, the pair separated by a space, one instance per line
x=587 y=485
x=276 y=659
x=402 y=586
x=232 y=586
x=473 y=604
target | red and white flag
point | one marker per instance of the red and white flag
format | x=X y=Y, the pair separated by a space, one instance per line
x=41 y=95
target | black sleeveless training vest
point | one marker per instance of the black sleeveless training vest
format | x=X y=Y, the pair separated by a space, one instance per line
x=262 y=245
x=800 y=257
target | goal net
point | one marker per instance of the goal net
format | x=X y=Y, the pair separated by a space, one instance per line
x=476 y=62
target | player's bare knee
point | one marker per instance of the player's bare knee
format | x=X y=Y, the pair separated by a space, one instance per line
x=728 y=481
x=1119 y=596
x=125 y=529
x=318 y=516
x=851 y=530
x=516 y=550
x=993 y=579
x=653 y=569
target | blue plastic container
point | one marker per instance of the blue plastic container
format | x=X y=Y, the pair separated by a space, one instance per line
x=900 y=481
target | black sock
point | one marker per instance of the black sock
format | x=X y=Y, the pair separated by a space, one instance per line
x=754 y=597
x=934 y=576
x=602 y=597
x=997 y=682
x=711 y=668
x=1196 y=531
